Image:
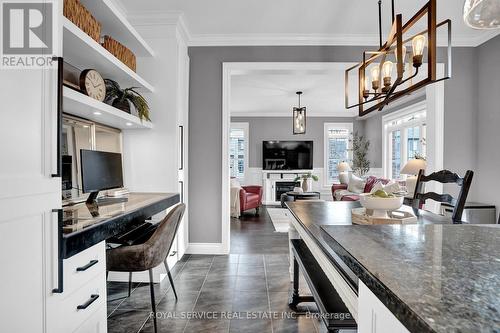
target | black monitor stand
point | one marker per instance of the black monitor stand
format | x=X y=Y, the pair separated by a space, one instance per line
x=92 y=198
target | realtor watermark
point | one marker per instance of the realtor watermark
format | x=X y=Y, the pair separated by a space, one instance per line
x=274 y=315
x=28 y=30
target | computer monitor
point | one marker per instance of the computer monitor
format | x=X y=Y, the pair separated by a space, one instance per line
x=100 y=171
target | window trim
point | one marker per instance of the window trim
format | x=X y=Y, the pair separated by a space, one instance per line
x=245 y=127
x=386 y=147
x=326 y=127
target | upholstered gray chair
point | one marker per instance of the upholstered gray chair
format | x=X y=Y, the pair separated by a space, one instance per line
x=149 y=254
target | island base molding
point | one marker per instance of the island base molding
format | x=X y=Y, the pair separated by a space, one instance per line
x=348 y=296
x=335 y=314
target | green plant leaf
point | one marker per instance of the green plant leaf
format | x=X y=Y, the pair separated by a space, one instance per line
x=114 y=91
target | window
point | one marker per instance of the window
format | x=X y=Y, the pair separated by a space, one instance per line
x=404 y=138
x=238 y=150
x=336 y=149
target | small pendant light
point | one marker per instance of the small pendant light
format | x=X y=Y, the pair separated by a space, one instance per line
x=299 y=118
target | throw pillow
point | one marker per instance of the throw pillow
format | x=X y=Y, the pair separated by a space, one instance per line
x=356 y=184
x=391 y=187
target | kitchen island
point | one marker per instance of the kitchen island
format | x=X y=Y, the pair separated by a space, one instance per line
x=428 y=277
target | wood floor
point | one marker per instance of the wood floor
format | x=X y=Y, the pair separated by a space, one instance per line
x=245 y=291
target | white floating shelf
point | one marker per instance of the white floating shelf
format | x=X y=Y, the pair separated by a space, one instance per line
x=81 y=105
x=83 y=52
x=115 y=24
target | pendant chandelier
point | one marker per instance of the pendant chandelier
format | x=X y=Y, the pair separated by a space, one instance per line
x=408 y=51
x=299 y=118
x=482 y=14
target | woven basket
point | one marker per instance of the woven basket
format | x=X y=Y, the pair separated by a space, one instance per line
x=120 y=51
x=82 y=18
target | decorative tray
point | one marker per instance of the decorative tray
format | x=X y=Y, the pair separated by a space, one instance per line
x=363 y=216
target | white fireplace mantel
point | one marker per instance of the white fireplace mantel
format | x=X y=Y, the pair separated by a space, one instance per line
x=271 y=177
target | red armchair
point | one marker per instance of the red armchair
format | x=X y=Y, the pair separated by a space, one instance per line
x=250 y=198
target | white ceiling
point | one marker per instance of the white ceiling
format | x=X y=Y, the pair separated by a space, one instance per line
x=272 y=92
x=268 y=22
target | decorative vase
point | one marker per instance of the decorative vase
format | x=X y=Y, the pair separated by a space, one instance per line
x=307 y=184
x=123 y=105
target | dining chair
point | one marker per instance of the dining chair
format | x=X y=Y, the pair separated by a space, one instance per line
x=444 y=177
x=149 y=254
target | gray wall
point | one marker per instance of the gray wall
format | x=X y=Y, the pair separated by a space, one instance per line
x=205 y=117
x=280 y=128
x=205 y=121
x=486 y=181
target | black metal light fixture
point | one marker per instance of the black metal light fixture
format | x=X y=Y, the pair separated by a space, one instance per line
x=299 y=118
x=404 y=50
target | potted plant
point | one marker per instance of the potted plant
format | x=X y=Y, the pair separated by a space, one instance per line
x=307 y=179
x=121 y=99
x=360 y=161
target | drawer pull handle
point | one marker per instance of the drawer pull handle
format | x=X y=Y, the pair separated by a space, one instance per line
x=90 y=264
x=173 y=253
x=92 y=299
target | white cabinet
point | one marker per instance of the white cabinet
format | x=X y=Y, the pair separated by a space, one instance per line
x=84 y=296
x=97 y=323
x=373 y=316
x=28 y=194
x=28 y=225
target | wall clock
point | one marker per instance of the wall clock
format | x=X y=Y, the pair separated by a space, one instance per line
x=92 y=84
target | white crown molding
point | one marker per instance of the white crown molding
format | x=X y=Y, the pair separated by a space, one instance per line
x=162 y=18
x=177 y=18
x=317 y=40
x=333 y=114
x=281 y=40
x=476 y=40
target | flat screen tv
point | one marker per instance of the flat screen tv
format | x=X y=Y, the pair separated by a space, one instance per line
x=287 y=155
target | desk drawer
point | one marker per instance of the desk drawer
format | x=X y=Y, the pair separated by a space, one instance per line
x=83 y=267
x=97 y=323
x=83 y=304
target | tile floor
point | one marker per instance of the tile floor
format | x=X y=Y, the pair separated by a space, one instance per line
x=251 y=281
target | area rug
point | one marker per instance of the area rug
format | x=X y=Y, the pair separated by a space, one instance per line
x=280 y=218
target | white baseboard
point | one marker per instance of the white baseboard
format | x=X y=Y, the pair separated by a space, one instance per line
x=206 y=248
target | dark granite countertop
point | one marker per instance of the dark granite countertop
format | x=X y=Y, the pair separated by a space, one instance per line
x=314 y=214
x=434 y=278
x=84 y=225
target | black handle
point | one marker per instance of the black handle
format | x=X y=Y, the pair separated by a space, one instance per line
x=60 y=63
x=59 y=288
x=91 y=300
x=173 y=253
x=181 y=183
x=181 y=148
x=84 y=268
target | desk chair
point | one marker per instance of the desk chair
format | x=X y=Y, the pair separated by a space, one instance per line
x=149 y=254
x=444 y=177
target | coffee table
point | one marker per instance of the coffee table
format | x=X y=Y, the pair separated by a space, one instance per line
x=296 y=196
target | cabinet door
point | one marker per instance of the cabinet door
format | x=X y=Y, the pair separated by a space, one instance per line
x=28 y=193
x=373 y=316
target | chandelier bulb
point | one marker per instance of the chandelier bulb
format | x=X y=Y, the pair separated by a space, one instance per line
x=418 y=45
x=375 y=72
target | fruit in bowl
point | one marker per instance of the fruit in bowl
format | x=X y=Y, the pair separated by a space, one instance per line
x=381 y=202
